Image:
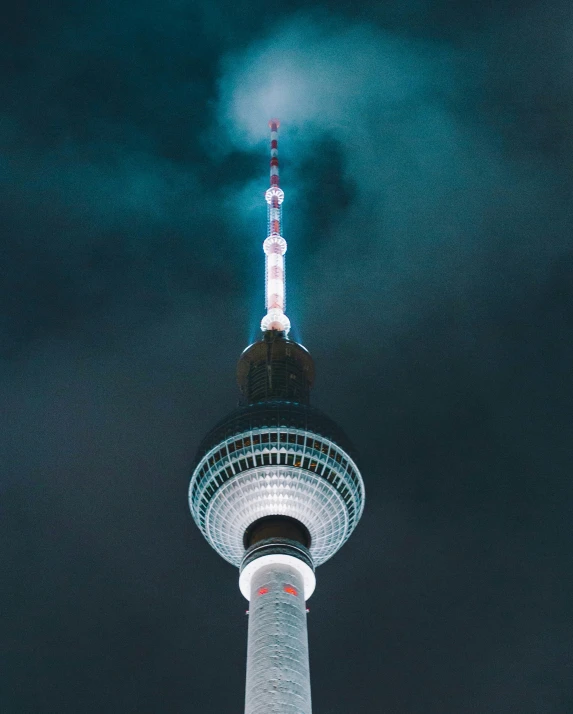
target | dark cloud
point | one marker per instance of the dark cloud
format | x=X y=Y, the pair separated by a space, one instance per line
x=425 y=154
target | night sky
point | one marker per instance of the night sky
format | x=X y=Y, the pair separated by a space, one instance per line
x=426 y=150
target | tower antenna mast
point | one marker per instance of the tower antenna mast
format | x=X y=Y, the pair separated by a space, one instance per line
x=275 y=246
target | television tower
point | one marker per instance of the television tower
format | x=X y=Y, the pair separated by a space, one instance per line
x=275 y=490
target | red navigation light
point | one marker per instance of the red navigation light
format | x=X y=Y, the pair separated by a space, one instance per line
x=263 y=591
x=290 y=590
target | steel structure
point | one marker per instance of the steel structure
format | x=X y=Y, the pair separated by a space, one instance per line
x=275 y=489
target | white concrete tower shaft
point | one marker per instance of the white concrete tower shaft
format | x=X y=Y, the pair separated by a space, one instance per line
x=278 y=676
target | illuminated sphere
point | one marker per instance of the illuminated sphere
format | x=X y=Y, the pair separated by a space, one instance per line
x=276 y=458
x=275 y=319
x=274 y=192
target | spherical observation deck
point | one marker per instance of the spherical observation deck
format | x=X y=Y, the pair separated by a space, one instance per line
x=276 y=458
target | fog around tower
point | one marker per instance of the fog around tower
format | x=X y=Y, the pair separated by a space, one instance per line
x=425 y=152
x=383 y=121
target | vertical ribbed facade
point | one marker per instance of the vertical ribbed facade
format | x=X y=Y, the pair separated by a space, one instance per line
x=278 y=676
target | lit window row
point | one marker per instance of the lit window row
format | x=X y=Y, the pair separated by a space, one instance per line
x=285 y=448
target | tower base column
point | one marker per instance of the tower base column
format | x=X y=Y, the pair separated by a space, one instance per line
x=278 y=676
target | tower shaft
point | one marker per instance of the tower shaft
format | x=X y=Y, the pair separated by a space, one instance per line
x=278 y=676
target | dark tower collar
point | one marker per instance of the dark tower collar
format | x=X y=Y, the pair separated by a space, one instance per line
x=275 y=368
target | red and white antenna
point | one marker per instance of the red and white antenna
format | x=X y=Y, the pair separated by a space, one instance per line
x=275 y=247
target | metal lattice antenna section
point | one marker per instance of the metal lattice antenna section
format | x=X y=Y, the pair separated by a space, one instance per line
x=275 y=247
